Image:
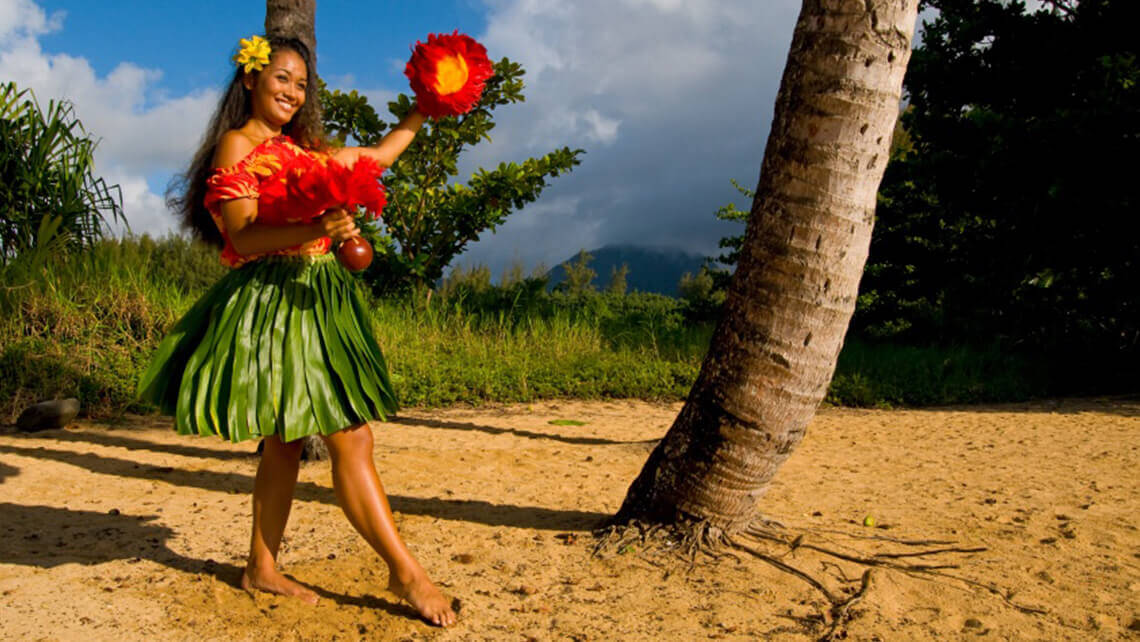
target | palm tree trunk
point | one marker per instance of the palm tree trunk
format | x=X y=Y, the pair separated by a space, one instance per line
x=297 y=19
x=293 y=19
x=774 y=352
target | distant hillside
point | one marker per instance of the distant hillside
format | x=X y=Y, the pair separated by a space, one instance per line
x=650 y=269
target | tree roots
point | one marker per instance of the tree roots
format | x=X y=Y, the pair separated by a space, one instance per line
x=772 y=543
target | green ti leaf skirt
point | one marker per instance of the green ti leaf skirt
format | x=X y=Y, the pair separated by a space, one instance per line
x=280 y=346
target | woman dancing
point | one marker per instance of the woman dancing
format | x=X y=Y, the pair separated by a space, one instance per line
x=280 y=348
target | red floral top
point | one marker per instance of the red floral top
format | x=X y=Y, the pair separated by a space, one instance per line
x=260 y=175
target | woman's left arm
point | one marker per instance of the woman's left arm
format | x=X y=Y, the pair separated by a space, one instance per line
x=390 y=147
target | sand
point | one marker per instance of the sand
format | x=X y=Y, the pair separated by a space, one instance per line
x=128 y=531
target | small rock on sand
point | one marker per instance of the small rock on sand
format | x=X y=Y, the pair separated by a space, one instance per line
x=48 y=415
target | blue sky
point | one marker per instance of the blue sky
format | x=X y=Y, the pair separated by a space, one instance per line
x=669 y=98
x=109 y=32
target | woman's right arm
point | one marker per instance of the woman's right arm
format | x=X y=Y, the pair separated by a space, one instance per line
x=390 y=147
x=249 y=237
x=239 y=214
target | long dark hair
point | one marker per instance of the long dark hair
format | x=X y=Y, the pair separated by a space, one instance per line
x=187 y=192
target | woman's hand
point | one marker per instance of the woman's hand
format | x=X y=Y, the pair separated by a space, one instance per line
x=338 y=224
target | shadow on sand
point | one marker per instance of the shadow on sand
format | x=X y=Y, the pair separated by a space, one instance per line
x=476 y=511
x=105 y=438
x=493 y=430
x=46 y=537
x=1118 y=405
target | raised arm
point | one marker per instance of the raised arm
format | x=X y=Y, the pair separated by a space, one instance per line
x=239 y=215
x=390 y=147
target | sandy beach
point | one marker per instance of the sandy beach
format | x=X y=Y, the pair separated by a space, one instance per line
x=128 y=531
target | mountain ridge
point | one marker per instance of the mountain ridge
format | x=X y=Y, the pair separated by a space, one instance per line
x=651 y=269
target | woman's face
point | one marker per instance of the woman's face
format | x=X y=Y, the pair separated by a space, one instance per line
x=278 y=91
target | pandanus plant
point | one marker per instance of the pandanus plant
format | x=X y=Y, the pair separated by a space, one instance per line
x=49 y=194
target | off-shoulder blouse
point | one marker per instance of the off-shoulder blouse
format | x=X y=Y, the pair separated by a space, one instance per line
x=248 y=179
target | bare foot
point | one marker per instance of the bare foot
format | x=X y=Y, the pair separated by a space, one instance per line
x=273 y=582
x=425 y=598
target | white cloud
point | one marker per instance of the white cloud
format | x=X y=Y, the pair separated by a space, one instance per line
x=669 y=98
x=600 y=128
x=24 y=17
x=660 y=5
x=141 y=133
x=137 y=197
x=544 y=247
x=529 y=26
x=558 y=124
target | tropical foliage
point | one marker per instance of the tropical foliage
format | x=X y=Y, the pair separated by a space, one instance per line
x=729 y=212
x=1008 y=212
x=579 y=275
x=50 y=198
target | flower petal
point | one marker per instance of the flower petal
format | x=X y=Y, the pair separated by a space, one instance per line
x=448 y=73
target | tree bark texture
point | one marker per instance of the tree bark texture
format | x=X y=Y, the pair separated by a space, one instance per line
x=297 y=19
x=774 y=352
x=293 y=19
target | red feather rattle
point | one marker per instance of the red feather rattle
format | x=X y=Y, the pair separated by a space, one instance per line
x=316 y=187
x=448 y=73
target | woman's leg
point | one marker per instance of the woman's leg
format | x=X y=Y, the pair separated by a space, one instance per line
x=272 y=499
x=362 y=497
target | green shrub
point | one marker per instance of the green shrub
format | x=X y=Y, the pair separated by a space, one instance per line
x=873 y=374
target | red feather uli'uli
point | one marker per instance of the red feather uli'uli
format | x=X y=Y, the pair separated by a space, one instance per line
x=313 y=187
x=447 y=73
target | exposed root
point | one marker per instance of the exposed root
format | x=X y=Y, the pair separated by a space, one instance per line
x=887 y=560
x=691 y=539
x=876 y=538
x=841 y=613
x=934 y=551
x=788 y=568
x=619 y=538
x=884 y=560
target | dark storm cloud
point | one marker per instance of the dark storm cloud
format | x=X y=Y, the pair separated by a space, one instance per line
x=670 y=100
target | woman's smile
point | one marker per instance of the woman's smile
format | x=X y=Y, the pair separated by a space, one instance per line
x=287 y=104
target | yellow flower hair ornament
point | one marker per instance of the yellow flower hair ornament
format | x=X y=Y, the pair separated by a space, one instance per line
x=254 y=54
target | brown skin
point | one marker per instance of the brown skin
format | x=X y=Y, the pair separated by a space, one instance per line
x=278 y=91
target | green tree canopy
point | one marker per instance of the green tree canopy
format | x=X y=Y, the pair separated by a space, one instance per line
x=618 y=280
x=1009 y=208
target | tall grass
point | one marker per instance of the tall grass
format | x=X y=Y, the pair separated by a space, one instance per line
x=86 y=325
x=446 y=356
x=83 y=325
